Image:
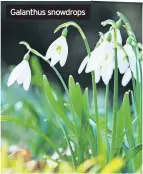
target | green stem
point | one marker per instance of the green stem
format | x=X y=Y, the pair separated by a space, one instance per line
x=68 y=141
x=106 y=117
x=96 y=113
x=106 y=108
x=115 y=100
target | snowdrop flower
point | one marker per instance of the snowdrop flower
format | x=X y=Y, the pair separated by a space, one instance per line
x=102 y=58
x=58 y=51
x=131 y=66
x=22 y=74
x=101 y=62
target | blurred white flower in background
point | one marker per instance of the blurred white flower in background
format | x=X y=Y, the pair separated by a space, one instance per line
x=58 y=51
x=22 y=74
x=133 y=66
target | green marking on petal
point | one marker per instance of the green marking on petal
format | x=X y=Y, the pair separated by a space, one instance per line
x=106 y=57
x=59 y=49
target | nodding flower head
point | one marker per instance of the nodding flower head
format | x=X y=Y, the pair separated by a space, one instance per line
x=22 y=74
x=58 y=51
x=101 y=62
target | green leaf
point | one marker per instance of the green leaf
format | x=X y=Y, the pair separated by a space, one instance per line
x=58 y=109
x=54 y=103
x=128 y=121
x=129 y=129
x=82 y=139
x=78 y=103
x=37 y=77
x=29 y=125
x=75 y=96
x=86 y=103
x=71 y=83
x=132 y=153
x=120 y=127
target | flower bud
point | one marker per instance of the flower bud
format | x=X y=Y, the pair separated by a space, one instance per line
x=65 y=32
x=119 y=23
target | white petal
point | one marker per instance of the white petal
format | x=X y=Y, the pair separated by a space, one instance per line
x=26 y=83
x=22 y=71
x=83 y=64
x=123 y=63
x=64 y=51
x=132 y=58
x=96 y=59
x=97 y=76
x=127 y=77
x=107 y=75
x=107 y=47
x=55 y=59
x=107 y=69
x=27 y=80
x=52 y=48
x=13 y=76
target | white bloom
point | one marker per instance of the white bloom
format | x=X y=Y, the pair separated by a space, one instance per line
x=21 y=73
x=131 y=67
x=101 y=62
x=58 y=51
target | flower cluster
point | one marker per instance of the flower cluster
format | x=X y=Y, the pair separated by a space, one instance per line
x=101 y=60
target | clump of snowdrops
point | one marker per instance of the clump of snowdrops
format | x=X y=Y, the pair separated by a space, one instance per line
x=90 y=140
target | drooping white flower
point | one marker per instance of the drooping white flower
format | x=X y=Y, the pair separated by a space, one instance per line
x=132 y=66
x=58 y=51
x=22 y=74
x=102 y=58
x=101 y=62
